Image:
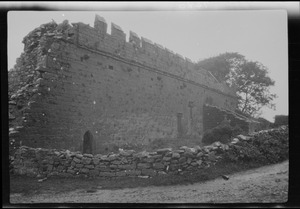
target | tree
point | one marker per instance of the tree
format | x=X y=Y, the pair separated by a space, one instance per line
x=250 y=78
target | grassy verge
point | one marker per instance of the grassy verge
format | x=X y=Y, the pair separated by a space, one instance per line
x=29 y=186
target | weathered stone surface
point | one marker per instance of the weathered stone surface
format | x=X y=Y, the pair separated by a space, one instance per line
x=79 y=165
x=180 y=151
x=121 y=173
x=79 y=156
x=182 y=160
x=194 y=164
x=143 y=165
x=176 y=155
x=126 y=153
x=163 y=151
x=234 y=141
x=116 y=162
x=148 y=172
x=133 y=172
x=167 y=158
x=76 y=160
x=161 y=173
x=96 y=161
x=156 y=157
x=113 y=166
x=148 y=160
x=174 y=161
x=84 y=170
x=71 y=171
x=86 y=160
x=112 y=157
x=199 y=155
x=189 y=152
x=158 y=166
x=243 y=138
x=141 y=154
x=87 y=155
x=102 y=168
x=127 y=167
x=212 y=156
x=49 y=168
x=89 y=166
x=174 y=167
x=94 y=172
x=107 y=174
x=199 y=162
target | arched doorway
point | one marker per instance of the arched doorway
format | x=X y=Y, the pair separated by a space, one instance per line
x=87 y=143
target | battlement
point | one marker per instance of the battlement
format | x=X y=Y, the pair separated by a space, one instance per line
x=143 y=51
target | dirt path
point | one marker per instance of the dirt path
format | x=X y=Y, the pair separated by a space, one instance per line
x=265 y=184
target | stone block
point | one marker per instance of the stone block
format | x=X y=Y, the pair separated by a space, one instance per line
x=71 y=171
x=86 y=160
x=50 y=167
x=176 y=155
x=148 y=172
x=94 y=173
x=102 y=168
x=87 y=155
x=89 y=166
x=199 y=155
x=107 y=174
x=127 y=167
x=79 y=165
x=164 y=151
x=174 y=167
x=116 y=162
x=167 y=159
x=148 y=160
x=76 y=160
x=182 y=160
x=143 y=165
x=113 y=166
x=133 y=172
x=84 y=170
x=79 y=156
x=96 y=161
x=120 y=173
x=158 y=166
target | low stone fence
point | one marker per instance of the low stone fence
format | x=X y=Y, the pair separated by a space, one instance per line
x=45 y=162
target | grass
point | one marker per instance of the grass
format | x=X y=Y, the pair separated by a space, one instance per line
x=28 y=185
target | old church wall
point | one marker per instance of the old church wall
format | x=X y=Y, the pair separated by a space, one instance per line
x=122 y=92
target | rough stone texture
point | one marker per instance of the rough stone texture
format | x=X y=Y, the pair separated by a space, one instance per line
x=77 y=78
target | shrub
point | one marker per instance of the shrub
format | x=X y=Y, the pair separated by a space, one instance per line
x=244 y=152
x=221 y=133
x=266 y=148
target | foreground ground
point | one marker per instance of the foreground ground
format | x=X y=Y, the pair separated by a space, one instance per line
x=265 y=184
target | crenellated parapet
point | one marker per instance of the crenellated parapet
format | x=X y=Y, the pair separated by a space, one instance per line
x=143 y=51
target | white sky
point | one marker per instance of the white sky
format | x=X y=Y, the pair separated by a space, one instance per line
x=258 y=35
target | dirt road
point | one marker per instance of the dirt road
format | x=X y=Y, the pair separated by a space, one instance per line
x=267 y=184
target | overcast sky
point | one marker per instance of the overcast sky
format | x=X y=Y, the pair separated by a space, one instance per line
x=258 y=35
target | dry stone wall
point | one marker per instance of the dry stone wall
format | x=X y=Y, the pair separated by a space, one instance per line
x=121 y=92
x=34 y=162
x=49 y=162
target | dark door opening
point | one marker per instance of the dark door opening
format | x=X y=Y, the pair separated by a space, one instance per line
x=87 y=143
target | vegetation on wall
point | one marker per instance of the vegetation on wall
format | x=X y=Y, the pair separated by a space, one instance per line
x=249 y=78
x=221 y=133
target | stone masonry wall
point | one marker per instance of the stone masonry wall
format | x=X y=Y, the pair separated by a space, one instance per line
x=122 y=92
x=50 y=162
